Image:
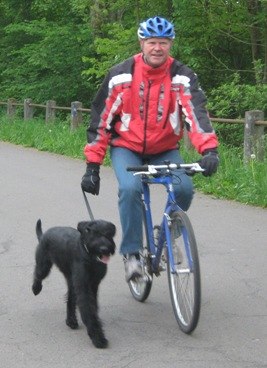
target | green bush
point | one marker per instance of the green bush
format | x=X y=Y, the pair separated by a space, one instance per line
x=231 y=100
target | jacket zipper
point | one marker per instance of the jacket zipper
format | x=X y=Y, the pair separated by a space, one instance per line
x=146 y=115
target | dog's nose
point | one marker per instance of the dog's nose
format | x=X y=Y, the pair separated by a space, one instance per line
x=103 y=249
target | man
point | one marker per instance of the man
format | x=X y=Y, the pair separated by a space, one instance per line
x=137 y=111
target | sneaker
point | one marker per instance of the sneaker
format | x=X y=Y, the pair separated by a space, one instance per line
x=133 y=268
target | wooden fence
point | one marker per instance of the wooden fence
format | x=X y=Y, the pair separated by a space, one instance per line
x=254 y=145
x=50 y=107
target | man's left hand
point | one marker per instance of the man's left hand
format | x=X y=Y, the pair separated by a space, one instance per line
x=209 y=162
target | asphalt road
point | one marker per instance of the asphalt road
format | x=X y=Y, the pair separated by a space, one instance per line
x=232 y=240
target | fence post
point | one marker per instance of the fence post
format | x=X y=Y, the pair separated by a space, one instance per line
x=28 y=110
x=11 y=108
x=253 y=136
x=76 y=115
x=50 y=111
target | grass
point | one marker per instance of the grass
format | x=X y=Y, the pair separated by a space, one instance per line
x=234 y=180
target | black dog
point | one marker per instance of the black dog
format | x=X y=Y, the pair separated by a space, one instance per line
x=82 y=256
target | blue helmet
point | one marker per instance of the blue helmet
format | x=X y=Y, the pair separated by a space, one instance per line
x=156 y=27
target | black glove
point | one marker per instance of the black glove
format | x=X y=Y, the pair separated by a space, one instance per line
x=91 y=180
x=209 y=162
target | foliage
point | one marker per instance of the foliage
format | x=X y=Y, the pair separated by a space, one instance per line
x=56 y=137
x=114 y=30
x=48 y=64
x=61 y=49
x=214 y=37
x=232 y=100
x=234 y=180
x=246 y=184
x=111 y=49
x=44 y=46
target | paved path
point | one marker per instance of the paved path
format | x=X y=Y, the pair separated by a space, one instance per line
x=232 y=239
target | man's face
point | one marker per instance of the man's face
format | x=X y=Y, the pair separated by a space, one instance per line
x=156 y=50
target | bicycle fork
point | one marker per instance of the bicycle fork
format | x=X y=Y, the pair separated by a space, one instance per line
x=181 y=232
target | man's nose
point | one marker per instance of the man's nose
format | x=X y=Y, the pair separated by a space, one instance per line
x=158 y=46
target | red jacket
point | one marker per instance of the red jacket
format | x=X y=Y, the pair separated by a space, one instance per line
x=140 y=108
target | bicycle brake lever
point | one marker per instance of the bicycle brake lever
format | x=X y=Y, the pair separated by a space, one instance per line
x=195 y=168
x=152 y=170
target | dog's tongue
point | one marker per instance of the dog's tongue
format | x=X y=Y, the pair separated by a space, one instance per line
x=105 y=259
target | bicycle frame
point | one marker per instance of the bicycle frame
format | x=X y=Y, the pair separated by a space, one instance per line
x=170 y=206
x=175 y=235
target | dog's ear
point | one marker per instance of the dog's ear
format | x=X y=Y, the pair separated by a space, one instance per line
x=84 y=226
x=111 y=230
x=108 y=229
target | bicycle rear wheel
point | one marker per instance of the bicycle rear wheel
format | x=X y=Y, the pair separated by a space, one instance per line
x=141 y=287
x=184 y=279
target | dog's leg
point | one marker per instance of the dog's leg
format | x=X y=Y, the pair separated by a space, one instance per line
x=88 y=309
x=42 y=269
x=71 y=319
x=95 y=290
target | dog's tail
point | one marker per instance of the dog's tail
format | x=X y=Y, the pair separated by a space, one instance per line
x=38 y=229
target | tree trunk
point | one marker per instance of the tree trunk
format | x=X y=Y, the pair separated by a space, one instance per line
x=253 y=9
x=264 y=79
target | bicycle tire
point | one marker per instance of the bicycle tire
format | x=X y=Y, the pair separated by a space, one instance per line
x=185 y=283
x=140 y=288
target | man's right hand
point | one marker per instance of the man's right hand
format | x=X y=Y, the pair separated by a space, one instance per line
x=91 y=180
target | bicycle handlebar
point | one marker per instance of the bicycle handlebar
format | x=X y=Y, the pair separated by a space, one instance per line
x=154 y=169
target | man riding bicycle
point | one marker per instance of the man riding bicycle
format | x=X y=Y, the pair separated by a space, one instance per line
x=138 y=113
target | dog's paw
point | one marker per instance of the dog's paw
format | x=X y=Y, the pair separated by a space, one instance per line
x=72 y=323
x=100 y=342
x=36 y=287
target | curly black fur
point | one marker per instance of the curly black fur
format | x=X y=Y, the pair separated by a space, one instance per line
x=82 y=256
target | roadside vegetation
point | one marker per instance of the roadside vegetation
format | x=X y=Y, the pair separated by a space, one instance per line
x=61 y=50
x=234 y=180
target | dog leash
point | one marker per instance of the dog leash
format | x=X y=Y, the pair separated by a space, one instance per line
x=88 y=207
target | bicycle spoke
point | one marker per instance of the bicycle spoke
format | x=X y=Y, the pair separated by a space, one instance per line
x=184 y=283
x=140 y=288
x=185 y=297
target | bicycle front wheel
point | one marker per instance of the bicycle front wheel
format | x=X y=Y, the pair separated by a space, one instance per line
x=184 y=275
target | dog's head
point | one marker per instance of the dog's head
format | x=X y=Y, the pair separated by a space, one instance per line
x=97 y=238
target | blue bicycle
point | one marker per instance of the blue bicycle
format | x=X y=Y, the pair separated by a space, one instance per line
x=171 y=244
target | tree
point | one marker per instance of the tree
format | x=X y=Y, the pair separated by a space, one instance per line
x=215 y=37
x=114 y=24
x=43 y=54
x=61 y=49
x=258 y=33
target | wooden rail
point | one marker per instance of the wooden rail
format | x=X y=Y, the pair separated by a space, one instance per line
x=253 y=122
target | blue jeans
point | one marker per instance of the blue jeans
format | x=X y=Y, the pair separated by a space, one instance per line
x=130 y=192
